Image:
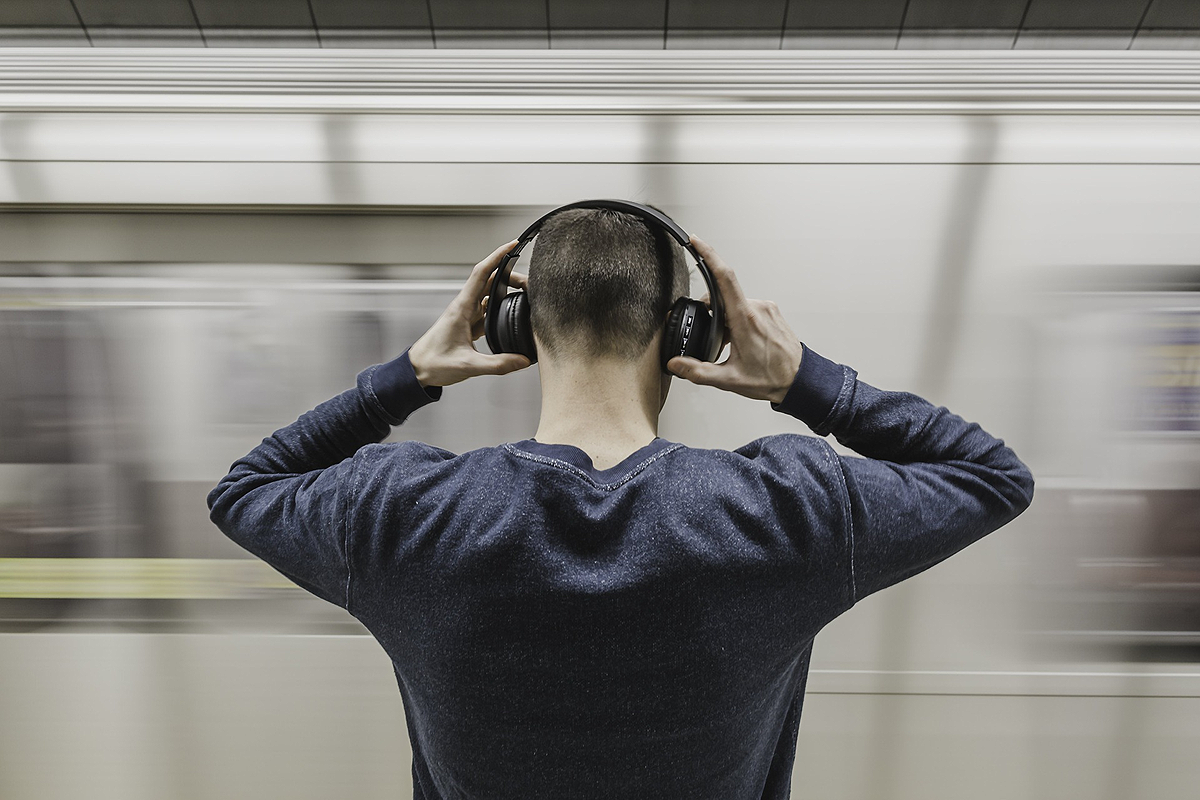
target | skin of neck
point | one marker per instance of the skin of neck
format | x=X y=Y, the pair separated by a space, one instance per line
x=608 y=407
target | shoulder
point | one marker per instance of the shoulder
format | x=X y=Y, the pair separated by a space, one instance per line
x=787 y=449
x=795 y=460
x=414 y=457
x=398 y=475
x=388 y=461
x=785 y=455
x=408 y=450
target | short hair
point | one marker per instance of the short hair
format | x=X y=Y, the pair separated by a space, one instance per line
x=601 y=282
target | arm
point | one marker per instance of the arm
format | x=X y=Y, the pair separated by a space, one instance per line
x=930 y=484
x=287 y=500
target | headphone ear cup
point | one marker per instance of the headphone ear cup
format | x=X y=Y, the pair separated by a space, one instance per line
x=513 y=327
x=687 y=330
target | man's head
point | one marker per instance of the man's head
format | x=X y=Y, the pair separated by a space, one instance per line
x=601 y=284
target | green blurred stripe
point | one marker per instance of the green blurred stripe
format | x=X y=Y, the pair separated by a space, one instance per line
x=150 y=578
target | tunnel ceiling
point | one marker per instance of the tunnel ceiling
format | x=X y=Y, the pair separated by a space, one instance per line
x=606 y=24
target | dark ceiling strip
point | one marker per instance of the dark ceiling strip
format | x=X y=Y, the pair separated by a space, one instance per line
x=80 y=18
x=199 y=27
x=1021 y=25
x=900 y=30
x=547 y=24
x=666 y=16
x=1141 y=21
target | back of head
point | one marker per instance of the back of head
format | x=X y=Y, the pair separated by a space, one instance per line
x=601 y=283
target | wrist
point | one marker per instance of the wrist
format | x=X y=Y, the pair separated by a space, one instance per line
x=815 y=391
x=394 y=385
x=417 y=360
x=787 y=376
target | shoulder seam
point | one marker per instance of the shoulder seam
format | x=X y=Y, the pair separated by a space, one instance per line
x=355 y=491
x=831 y=454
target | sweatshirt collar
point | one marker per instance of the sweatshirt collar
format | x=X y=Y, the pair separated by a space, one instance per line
x=576 y=457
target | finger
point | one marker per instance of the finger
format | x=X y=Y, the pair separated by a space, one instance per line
x=724 y=328
x=518 y=279
x=696 y=371
x=726 y=280
x=477 y=283
x=497 y=364
x=479 y=321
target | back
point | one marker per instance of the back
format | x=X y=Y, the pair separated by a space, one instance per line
x=558 y=631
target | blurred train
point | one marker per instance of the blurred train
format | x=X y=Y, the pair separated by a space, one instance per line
x=191 y=262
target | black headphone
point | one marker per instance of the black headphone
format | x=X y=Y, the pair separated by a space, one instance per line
x=691 y=329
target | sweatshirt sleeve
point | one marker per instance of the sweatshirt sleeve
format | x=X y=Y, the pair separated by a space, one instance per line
x=286 y=500
x=930 y=483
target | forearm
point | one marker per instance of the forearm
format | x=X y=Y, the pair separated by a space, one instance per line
x=893 y=426
x=384 y=395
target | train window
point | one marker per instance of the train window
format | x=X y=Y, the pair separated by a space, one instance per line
x=125 y=401
x=1121 y=418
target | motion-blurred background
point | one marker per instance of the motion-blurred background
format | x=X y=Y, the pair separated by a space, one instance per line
x=214 y=213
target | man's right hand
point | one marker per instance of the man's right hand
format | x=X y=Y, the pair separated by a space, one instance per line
x=764 y=353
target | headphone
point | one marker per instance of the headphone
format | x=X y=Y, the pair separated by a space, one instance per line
x=691 y=329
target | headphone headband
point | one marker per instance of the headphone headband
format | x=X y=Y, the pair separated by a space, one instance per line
x=645 y=213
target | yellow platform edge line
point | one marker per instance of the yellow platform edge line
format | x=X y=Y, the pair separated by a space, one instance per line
x=145 y=578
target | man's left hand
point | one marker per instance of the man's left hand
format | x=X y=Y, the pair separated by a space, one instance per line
x=446 y=353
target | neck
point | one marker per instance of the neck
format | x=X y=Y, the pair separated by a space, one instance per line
x=606 y=407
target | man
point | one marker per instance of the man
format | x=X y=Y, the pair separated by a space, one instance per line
x=597 y=612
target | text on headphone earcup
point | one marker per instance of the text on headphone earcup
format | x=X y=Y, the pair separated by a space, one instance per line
x=686 y=333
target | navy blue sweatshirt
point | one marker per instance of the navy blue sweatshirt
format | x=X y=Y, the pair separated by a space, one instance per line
x=559 y=631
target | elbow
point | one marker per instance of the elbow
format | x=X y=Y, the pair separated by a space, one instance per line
x=1017 y=479
x=228 y=514
x=239 y=507
x=1028 y=486
x=213 y=496
x=220 y=502
x=1023 y=481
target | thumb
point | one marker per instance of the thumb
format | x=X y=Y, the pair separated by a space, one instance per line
x=694 y=370
x=500 y=364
